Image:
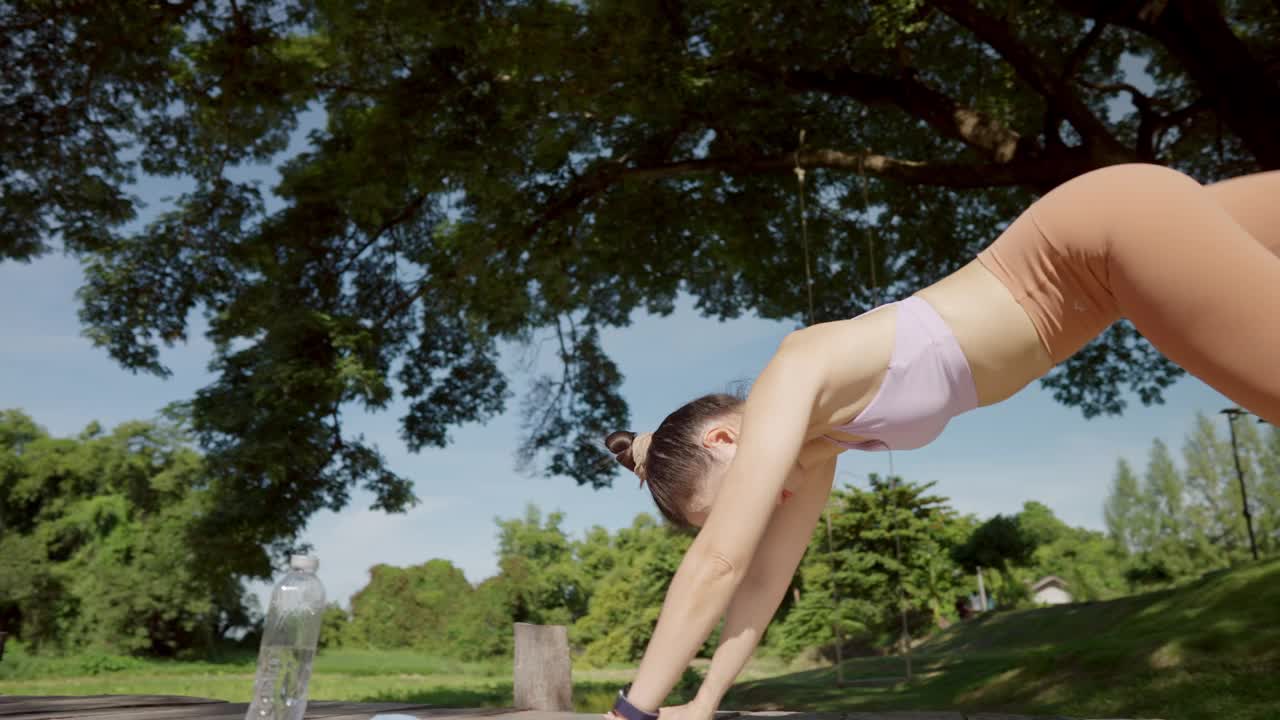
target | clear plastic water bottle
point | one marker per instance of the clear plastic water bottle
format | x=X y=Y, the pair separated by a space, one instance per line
x=289 y=643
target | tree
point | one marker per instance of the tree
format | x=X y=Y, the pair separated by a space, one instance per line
x=1211 y=478
x=890 y=553
x=998 y=543
x=1179 y=525
x=816 y=619
x=333 y=627
x=101 y=544
x=1122 y=512
x=1163 y=495
x=504 y=172
x=539 y=569
x=1092 y=564
x=414 y=607
x=1269 y=490
x=624 y=608
x=1174 y=546
x=481 y=628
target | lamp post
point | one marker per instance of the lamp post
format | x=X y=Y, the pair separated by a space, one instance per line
x=1232 y=413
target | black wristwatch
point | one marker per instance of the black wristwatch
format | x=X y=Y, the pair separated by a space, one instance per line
x=622 y=706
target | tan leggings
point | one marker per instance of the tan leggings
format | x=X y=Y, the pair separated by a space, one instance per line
x=1195 y=268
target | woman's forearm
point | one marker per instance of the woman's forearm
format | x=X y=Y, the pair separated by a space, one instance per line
x=759 y=595
x=750 y=612
x=700 y=590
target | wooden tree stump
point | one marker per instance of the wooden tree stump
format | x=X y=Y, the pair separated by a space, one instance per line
x=543 y=672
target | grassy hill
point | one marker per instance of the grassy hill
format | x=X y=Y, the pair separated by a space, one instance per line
x=1210 y=649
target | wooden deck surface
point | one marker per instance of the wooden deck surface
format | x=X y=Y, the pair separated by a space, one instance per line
x=170 y=707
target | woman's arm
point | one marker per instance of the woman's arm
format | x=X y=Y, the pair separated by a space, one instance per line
x=775 y=420
x=760 y=593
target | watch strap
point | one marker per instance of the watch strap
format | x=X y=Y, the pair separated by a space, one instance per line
x=623 y=707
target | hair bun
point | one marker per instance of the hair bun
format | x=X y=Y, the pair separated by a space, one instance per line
x=619 y=443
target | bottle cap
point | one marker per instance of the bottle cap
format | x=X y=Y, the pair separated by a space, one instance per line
x=309 y=563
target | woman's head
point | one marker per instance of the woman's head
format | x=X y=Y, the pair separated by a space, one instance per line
x=682 y=461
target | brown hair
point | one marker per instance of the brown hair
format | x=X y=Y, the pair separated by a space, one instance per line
x=675 y=458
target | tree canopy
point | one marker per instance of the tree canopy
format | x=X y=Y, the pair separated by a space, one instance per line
x=102 y=542
x=997 y=543
x=507 y=172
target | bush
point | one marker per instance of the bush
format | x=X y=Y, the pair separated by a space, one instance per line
x=333 y=626
x=96 y=663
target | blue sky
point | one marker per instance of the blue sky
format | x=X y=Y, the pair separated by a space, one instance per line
x=988 y=461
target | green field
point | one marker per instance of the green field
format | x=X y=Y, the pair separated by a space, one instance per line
x=1207 y=650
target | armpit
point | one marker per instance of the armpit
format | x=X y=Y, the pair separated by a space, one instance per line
x=816 y=452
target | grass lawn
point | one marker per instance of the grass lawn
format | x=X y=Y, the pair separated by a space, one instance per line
x=1210 y=649
x=345 y=674
x=1207 y=650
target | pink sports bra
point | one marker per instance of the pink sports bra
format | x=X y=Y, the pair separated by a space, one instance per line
x=927 y=384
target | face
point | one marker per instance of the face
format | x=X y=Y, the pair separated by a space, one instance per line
x=721 y=440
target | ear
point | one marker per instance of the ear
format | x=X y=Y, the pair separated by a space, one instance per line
x=719 y=435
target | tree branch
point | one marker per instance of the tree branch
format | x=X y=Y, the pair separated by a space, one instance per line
x=1051 y=124
x=1177 y=118
x=1149 y=118
x=1151 y=121
x=1181 y=115
x=1081 y=50
x=1035 y=73
x=955 y=175
x=951 y=119
x=1140 y=99
x=1202 y=40
x=405 y=214
x=579 y=191
x=1042 y=172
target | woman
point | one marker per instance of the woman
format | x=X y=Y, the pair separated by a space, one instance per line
x=1194 y=269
